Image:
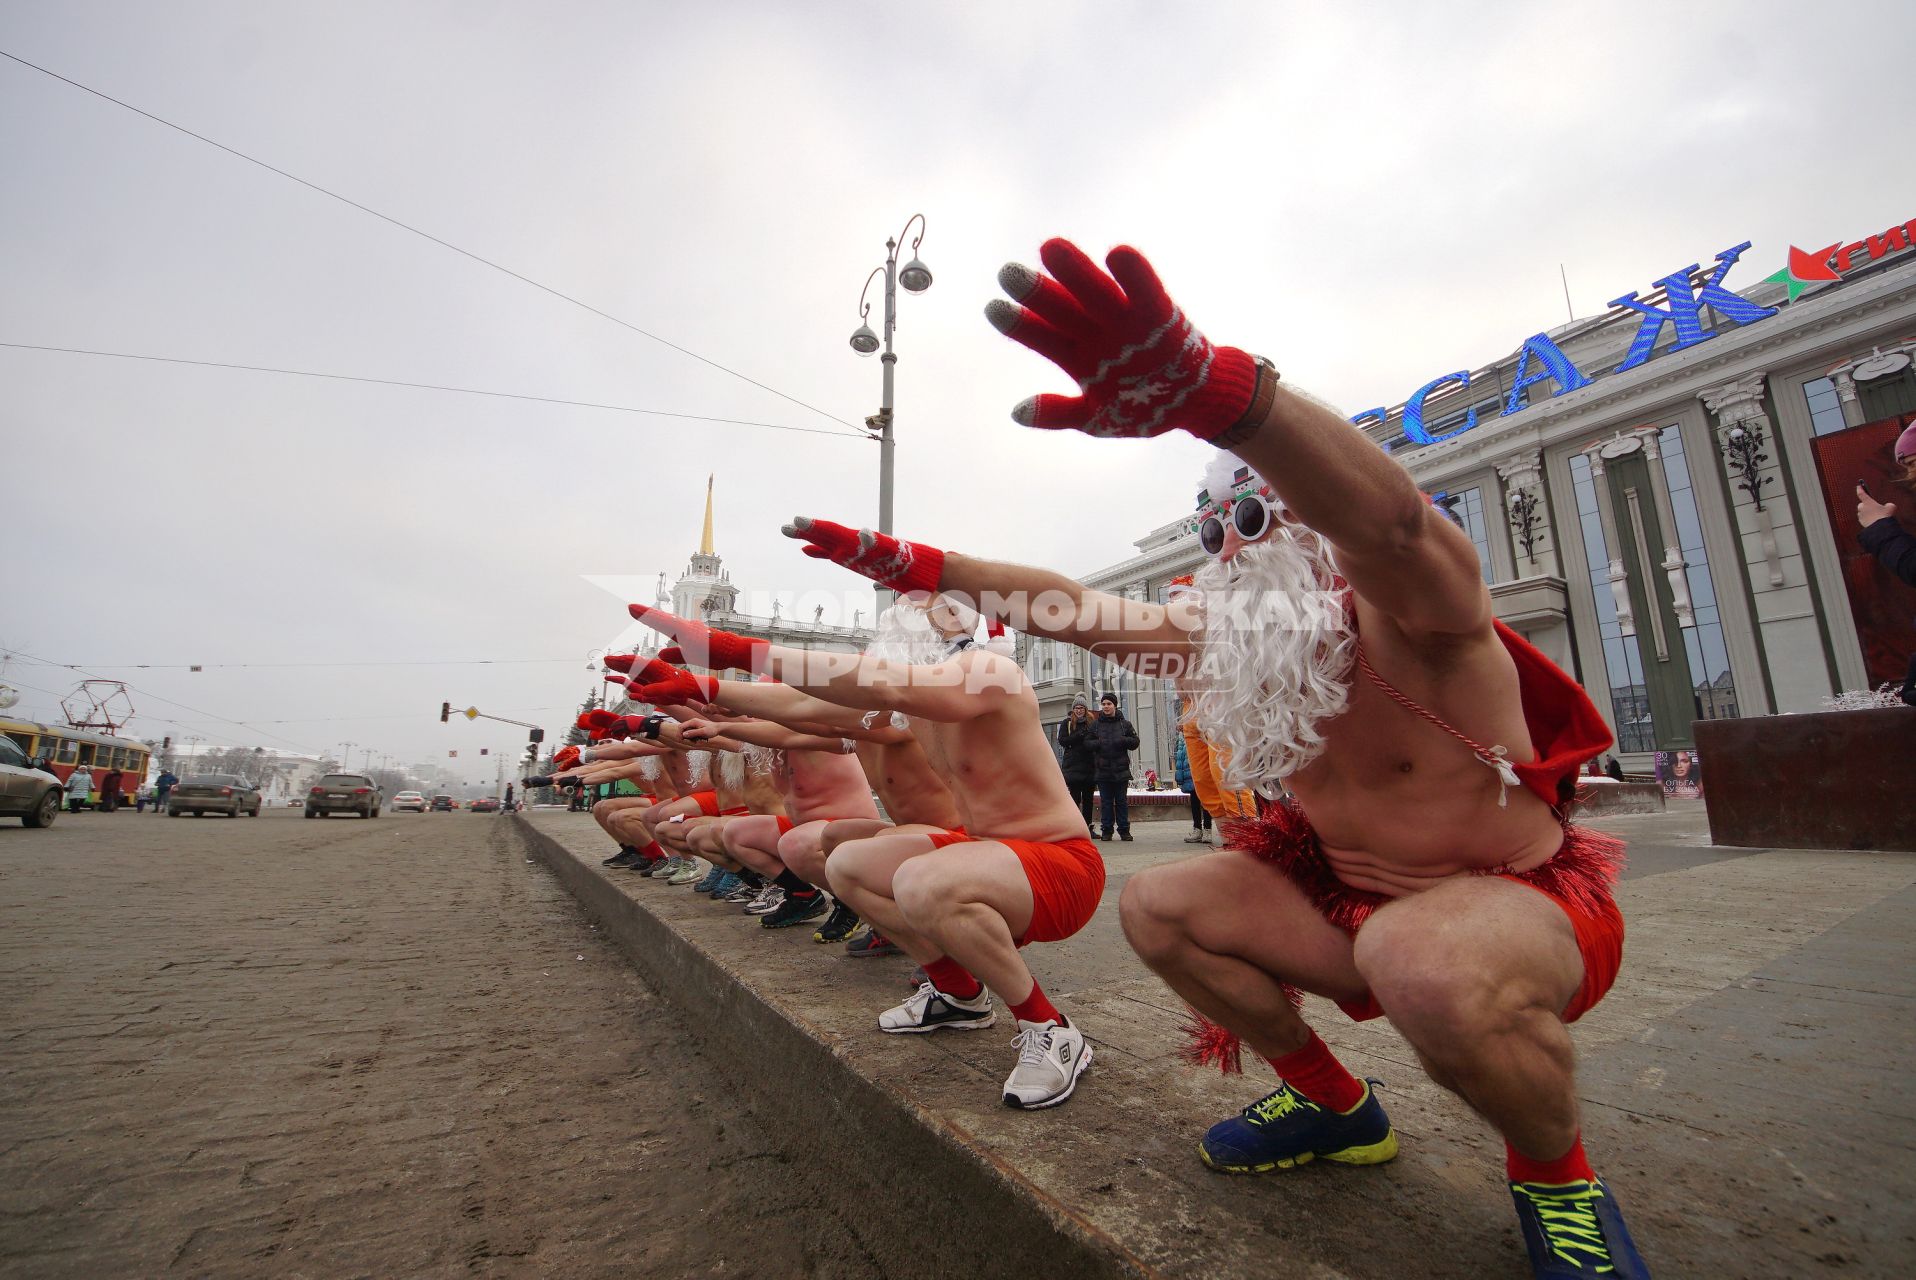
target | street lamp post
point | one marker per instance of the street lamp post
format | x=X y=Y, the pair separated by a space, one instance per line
x=916 y=277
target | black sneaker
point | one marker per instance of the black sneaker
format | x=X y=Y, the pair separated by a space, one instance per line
x=625 y=857
x=796 y=909
x=838 y=926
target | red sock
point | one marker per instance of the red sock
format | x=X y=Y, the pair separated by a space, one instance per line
x=652 y=850
x=1314 y=1072
x=1571 y=1166
x=1036 y=1007
x=953 y=978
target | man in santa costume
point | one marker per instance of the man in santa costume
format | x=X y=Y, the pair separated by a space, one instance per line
x=1341 y=644
x=960 y=902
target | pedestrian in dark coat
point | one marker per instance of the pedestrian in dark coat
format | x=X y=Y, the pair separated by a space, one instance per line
x=1112 y=740
x=1080 y=774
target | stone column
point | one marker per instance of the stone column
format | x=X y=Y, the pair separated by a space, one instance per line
x=1617 y=576
x=1738 y=407
x=1673 y=567
x=1523 y=483
x=1782 y=606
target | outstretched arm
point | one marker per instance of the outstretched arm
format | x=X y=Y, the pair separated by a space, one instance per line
x=962 y=688
x=1040 y=601
x=1395 y=549
x=762 y=733
x=1142 y=369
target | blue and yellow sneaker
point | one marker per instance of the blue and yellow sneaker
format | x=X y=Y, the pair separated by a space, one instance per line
x=1284 y=1129
x=1575 y=1230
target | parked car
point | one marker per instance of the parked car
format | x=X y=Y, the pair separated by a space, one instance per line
x=443 y=804
x=411 y=801
x=204 y=793
x=344 y=793
x=486 y=804
x=294 y=802
x=33 y=795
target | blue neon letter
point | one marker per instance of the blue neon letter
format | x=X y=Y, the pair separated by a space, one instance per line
x=1555 y=365
x=1414 y=410
x=1682 y=311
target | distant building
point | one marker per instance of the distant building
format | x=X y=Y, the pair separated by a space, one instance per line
x=1661 y=496
x=705 y=591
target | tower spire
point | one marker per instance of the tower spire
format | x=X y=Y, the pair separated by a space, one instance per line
x=705 y=539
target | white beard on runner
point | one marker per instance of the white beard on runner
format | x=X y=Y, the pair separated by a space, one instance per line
x=696 y=764
x=763 y=760
x=1278 y=655
x=731 y=770
x=905 y=635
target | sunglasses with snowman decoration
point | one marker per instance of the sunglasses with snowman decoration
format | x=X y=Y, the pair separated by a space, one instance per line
x=1251 y=510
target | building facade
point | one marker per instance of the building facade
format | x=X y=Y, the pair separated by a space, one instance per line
x=705 y=591
x=1654 y=493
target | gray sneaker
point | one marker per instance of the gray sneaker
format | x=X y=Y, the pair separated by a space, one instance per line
x=691 y=872
x=768 y=900
x=1051 y=1057
x=742 y=893
x=667 y=869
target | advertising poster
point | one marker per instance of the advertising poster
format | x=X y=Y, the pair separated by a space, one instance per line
x=1680 y=774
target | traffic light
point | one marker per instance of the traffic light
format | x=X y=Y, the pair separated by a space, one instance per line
x=537 y=736
x=445 y=712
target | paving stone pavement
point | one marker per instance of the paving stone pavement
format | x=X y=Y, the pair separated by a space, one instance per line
x=348 y=1047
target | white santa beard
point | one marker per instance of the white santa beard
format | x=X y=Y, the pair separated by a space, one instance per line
x=731 y=770
x=1278 y=654
x=696 y=763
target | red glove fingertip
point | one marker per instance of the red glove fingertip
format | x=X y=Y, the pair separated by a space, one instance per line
x=672 y=654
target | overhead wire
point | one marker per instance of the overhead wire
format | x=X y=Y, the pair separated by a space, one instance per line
x=426 y=235
x=171 y=702
x=430 y=386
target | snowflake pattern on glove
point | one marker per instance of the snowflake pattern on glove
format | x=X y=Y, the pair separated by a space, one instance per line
x=1141 y=367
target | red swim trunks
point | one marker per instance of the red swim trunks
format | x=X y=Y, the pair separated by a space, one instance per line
x=708 y=802
x=785 y=824
x=1066 y=878
x=1577 y=878
x=733 y=813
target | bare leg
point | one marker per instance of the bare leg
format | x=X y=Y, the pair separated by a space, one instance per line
x=1226 y=932
x=861 y=874
x=753 y=842
x=971 y=901
x=1475 y=973
x=804 y=844
x=808 y=863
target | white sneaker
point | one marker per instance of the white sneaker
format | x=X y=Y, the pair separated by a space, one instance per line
x=931 y=1009
x=768 y=900
x=692 y=872
x=1051 y=1057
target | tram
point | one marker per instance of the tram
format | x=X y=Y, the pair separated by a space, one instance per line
x=60 y=749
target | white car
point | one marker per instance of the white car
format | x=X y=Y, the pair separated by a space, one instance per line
x=411 y=800
x=33 y=795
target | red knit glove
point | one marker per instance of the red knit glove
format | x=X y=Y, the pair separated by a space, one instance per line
x=888 y=561
x=565 y=759
x=613 y=677
x=667 y=686
x=705 y=646
x=597 y=718
x=621 y=661
x=1140 y=366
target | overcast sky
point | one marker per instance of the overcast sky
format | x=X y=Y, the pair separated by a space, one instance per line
x=1371 y=194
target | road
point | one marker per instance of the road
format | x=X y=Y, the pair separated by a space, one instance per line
x=349 y=1047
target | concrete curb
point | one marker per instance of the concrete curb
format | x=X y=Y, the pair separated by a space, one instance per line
x=913 y=1178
